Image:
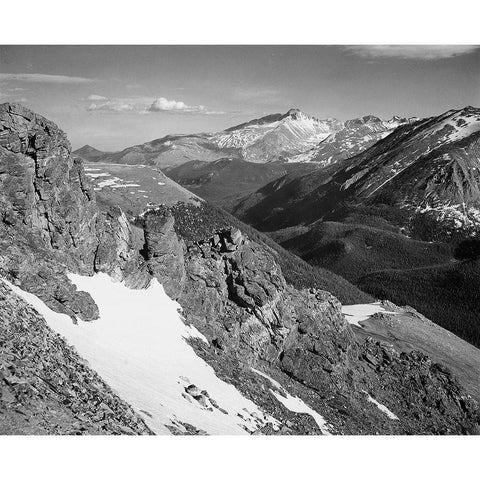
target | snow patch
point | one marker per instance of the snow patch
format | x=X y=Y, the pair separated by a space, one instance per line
x=361 y=312
x=381 y=407
x=108 y=183
x=138 y=347
x=126 y=185
x=295 y=404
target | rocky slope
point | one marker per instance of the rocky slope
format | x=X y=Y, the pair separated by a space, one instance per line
x=133 y=188
x=234 y=292
x=290 y=137
x=46 y=387
x=289 y=350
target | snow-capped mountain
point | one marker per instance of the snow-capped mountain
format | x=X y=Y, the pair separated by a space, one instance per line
x=289 y=137
x=354 y=137
x=277 y=137
x=429 y=167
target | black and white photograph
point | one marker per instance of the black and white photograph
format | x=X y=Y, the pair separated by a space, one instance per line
x=234 y=239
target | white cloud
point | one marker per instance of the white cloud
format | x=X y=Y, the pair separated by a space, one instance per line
x=424 y=52
x=42 y=78
x=144 y=105
x=162 y=104
x=95 y=98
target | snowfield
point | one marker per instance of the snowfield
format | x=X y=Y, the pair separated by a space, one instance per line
x=138 y=347
x=361 y=312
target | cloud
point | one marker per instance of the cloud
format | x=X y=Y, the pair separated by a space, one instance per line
x=12 y=94
x=423 y=52
x=95 y=98
x=111 y=106
x=162 y=104
x=144 y=105
x=43 y=78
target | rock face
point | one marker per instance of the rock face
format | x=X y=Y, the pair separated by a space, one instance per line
x=50 y=221
x=45 y=387
x=43 y=187
x=163 y=251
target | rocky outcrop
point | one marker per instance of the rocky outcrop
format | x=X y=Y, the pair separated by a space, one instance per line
x=163 y=251
x=423 y=392
x=45 y=387
x=50 y=221
x=43 y=187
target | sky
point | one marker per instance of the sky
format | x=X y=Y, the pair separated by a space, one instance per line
x=112 y=97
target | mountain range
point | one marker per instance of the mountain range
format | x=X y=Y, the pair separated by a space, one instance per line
x=290 y=137
x=424 y=170
x=130 y=305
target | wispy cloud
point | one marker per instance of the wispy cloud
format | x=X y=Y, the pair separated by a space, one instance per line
x=43 y=78
x=111 y=106
x=423 y=52
x=162 y=104
x=10 y=94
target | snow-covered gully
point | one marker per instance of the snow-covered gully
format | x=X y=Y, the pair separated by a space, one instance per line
x=138 y=346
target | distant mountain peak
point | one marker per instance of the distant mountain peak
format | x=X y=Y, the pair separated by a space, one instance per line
x=294 y=112
x=87 y=148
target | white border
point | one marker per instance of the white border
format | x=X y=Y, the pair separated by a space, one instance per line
x=242 y=22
